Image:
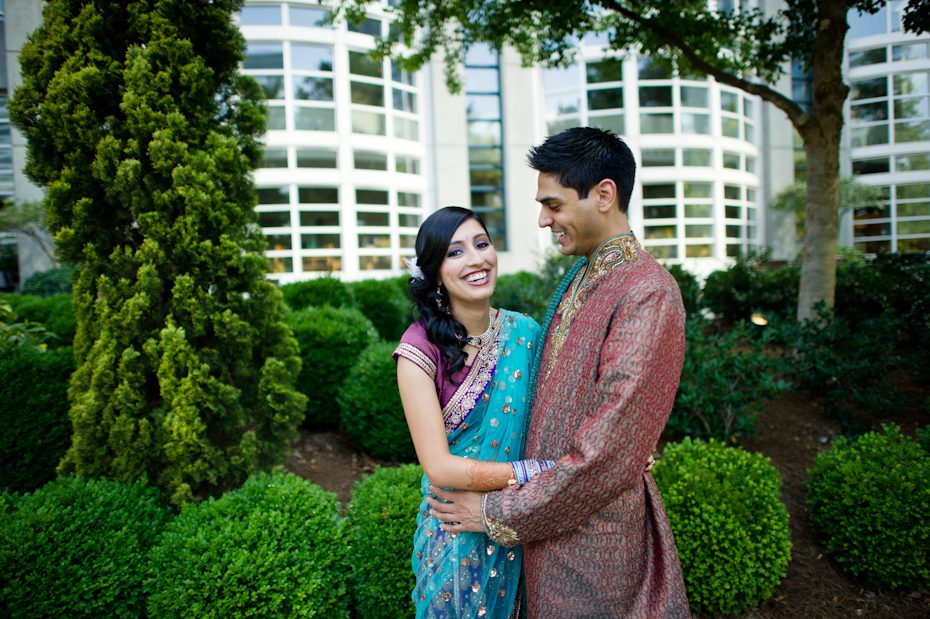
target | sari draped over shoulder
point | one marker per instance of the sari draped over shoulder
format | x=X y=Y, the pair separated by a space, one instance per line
x=486 y=413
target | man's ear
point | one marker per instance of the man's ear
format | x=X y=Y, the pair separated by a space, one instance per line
x=607 y=195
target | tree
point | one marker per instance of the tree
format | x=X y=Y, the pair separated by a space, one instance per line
x=745 y=48
x=144 y=135
x=27 y=219
x=853 y=196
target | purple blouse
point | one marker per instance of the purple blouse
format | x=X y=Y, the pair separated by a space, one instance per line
x=415 y=346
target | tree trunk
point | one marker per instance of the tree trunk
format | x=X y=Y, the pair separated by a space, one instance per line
x=821 y=135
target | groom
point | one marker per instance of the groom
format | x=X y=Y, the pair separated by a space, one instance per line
x=596 y=538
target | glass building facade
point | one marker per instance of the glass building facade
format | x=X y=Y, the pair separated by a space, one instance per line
x=889 y=130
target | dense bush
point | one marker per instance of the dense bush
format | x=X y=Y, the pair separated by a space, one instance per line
x=725 y=380
x=730 y=526
x=893 y=284
x=848 y=366
x=523 y=292
x=273 y=548
x=868 y=500
x=385 y=304
x=59 y=280
x=317 y=292
x=748 y=286
x=689 y=286
x=78 y=547
x=33 y=415
x=330 y=340
x=55 y=313
x=370 y=406
x=382 y=519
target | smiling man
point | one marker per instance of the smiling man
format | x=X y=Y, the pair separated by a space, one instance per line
x=596 y=538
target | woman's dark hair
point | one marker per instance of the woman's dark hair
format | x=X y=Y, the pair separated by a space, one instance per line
x=433 y=239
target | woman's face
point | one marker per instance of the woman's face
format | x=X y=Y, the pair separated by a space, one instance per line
x=469 y=271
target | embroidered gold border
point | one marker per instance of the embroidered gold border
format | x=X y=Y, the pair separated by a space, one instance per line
x=418 y=357
x=482 y=369
x=498 y=531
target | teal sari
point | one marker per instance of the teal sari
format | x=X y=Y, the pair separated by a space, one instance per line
x=467 y=574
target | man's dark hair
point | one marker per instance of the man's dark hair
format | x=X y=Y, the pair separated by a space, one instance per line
x=581 y=157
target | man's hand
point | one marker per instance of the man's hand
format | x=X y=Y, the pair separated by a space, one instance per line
x=463 y=513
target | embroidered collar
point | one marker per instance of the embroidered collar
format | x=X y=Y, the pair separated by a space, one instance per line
x=612 y=251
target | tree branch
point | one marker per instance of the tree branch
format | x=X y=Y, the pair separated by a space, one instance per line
x=799 y=118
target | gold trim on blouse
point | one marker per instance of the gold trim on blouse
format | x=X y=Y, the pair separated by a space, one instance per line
x=418 y=357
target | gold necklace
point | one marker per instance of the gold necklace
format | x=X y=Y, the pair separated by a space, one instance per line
x=480 y=341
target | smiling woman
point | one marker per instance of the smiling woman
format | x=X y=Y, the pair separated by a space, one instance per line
x=462 y=371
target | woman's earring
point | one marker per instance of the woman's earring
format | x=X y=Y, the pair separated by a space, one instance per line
x=439 y=296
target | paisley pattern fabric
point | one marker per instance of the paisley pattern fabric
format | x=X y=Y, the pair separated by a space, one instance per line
x=468 y=574
x=596 y=537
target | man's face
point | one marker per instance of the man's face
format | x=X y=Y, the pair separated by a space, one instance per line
x=575 y=222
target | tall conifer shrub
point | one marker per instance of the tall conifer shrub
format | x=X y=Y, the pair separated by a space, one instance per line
x=144 y=135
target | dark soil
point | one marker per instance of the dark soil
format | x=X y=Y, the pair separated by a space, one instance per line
x=791 y=431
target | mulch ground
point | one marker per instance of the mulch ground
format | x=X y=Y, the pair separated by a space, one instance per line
x=791 y=431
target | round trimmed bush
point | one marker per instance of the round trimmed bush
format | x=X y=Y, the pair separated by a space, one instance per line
x=869 y=501
x=317 y=293
x=689 y=286
x=382 y=520
x=384 y=304
x=370 y=406
x=34 y=415
x=330 y=340
x=55 y=313
x=730 y=526
x=57 y=280
x=273 y=548
x=78 y=547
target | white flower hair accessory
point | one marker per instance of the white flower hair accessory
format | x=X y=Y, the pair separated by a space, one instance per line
x=415 y=271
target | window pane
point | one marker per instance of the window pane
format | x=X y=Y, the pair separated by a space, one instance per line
x=659 y=191
x=313 y=88
x=659 y=232
x=374 y=263
x=366 y=160
x=696 y=157
x=276 y=264
x=865 y=136
x=663 y=252
x=482 y=107
x=693 y=96
x=868 y=89
x=367 y=94
x=912 y=131
x=399 y=75
x=371 y=27
x=914 y=209
x=912 y=51
x=409 y=221
x=260 y=16
x=370 y=123
x=697 y=251
x=695 y=123
x=876 y=247
x=874 y=228
x=731 y=192
x=371 y=196
x=374 y=241
x=484 y=156
x=656 y=123
x=905 y=163
x=274 y=219
x=729 y=127
x=488 y=178
x=654 y=157
x=309 y=57
x=361 y=64
x=869 y=56
x=562 y=78
x=733 y=212
x=871 y=166
x=610 y=122
x=408 y=165
x=659 y=211
x=694 y=231
x=480 y=54
x=605 y=99
x=698 y=210
x=566 y=103
x=320 y=241
x=697 y=190
x=914 y=191
x=306 y=17
x=870 y=111
x=405 y=101
x=316 y=158
x=731 y=161
x=314 y=119
x=914 y=245
x=274 y=158
x=486 y=199
x=729 y=101
x=651 y=69
x=406 y=129
x=364 y=218
x=322 y=263
x=318 y=195
x=406 y=198
x=278 y=242
x=910 y=83
x=263 y=56
x=272 y=85
x=277 y=119
x=918 y=107
x=655 y=96
x=863 y=24
x=607 y=70
x=319 y=218
x=482 y=80
x=484 y=133
x=274 y=195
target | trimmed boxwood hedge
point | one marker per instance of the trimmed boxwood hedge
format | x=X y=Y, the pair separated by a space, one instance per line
x=730 y=526
x=385 y=304
x=275 y=547
x=382 y=519
x=317 y=292
x=370 y=406
x=34 y=415
x=78 y=547
x=869 y=501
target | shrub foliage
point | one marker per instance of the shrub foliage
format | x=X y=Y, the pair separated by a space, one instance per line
x=273 y=548
x=33 y=415
x=869 y=499
x=317 y=293
x=78 y=547
x=144 y=135
x=382 y=519
x=730 y=526
x=370 y=406
x=385 y=304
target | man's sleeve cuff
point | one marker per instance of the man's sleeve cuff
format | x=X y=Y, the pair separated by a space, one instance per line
x=497 y=531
